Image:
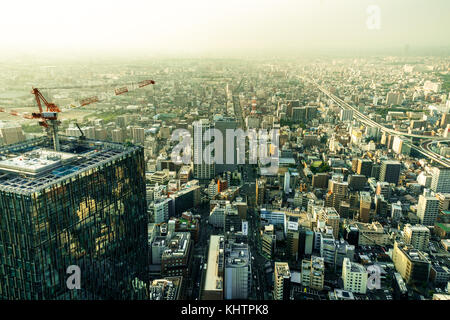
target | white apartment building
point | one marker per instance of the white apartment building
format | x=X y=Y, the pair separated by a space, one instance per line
x=354 y=277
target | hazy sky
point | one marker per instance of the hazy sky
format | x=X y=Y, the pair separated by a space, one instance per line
x=191 y=26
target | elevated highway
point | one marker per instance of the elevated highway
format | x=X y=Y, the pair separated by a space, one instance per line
x=369 y=122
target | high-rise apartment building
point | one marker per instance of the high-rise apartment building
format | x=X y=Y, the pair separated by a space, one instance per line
x=390 y=171
x=418 y=236
x=229 y=151
x=365 y=205
x=268 y=241
x=138 y=135
x=282 y=281
x=203 y=166
x=354 y=277
x=427 y=209
x=364 y=167
x=82 y=206
x=313 y=273
x=440 y=181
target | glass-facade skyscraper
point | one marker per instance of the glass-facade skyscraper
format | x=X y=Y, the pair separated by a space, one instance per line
x=85 y=206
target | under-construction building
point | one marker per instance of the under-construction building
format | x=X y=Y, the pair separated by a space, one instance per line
x=83 y=205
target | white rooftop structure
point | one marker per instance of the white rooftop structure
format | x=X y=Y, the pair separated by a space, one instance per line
x=36 y=161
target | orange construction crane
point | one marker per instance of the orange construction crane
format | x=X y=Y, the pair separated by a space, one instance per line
x=49 y=118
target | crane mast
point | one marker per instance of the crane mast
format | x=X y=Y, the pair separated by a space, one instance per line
x=49 y=118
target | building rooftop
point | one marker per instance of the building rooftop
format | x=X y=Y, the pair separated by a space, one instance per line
x=236 y=255
x=31 y=166
x=165 y=289
x=282 y=269
x=177 y=246
x=213 y=280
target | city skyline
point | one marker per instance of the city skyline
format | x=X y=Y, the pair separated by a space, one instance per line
x=231 y=151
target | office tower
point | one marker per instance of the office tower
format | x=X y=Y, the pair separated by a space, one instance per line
x=203 y=167
x=282 y=281
x=83 y=206
x=418 y=236
x=427 y=209
x=11 y=133
x=440 y=181
x=268 y=241
x=390 y=171
x=364 y=167
x=412 y=264
x=354 y=277
x=365 y=206
x=213 y=280
x=223 y=124
x=313 y=273
x=238 y=271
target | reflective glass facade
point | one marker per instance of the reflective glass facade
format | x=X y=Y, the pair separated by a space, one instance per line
x=95 y=218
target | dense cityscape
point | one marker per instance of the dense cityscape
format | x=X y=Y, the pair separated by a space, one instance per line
x=362 y=181
x=315 y=177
